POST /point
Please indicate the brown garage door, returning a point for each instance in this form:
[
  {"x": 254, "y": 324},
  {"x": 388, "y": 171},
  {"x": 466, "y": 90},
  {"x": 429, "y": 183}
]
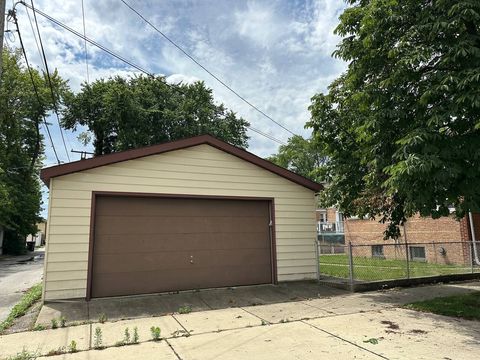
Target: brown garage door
[{"x": 148, "y": 244}]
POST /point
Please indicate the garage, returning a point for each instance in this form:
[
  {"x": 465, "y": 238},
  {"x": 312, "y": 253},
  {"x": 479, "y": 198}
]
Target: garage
[
  {"x": 156, "y": 244},
  {"x": 190, "y": 214}
]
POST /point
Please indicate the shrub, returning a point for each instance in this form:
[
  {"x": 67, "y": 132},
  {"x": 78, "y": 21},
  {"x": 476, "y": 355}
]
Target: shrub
[{"x": 54, "y": 323}]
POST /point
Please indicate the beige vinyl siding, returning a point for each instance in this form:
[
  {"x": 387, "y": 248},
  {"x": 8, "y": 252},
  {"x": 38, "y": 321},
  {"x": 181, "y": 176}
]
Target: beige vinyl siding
[{"x": 199, "y": 170}]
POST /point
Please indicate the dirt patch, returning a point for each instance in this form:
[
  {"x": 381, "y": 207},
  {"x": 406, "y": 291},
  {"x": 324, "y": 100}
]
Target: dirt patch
[
  {"x": 418, "y": 331},
  {"x": 390, "y": 324}
]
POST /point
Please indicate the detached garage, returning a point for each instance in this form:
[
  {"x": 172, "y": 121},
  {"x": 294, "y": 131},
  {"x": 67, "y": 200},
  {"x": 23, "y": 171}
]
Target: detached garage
[{"x": 189, "y": 214}]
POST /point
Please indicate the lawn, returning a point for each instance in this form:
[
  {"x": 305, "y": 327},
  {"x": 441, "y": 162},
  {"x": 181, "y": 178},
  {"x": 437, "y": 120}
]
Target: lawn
[
  {"x": 372, "y": 269},
  {"x": 462, "y": 306}
]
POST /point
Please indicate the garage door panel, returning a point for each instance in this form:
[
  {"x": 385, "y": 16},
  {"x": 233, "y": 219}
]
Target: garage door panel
[
  {"x": 143, "y": 282},
  {"x": 175, "y": 260},
  {"x": 147, "y": 245},
  {"x": 178, "y": 225},
  {"x": 119, "y": 206},
  {"x": 172, "y": 242}
]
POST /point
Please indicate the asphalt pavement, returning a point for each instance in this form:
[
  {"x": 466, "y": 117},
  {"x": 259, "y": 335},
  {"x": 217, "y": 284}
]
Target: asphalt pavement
[{"x": 18, "y": 274}]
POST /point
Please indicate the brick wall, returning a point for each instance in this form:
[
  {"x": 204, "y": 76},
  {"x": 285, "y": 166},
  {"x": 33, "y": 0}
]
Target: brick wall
[{"x": 441, "y": 233}]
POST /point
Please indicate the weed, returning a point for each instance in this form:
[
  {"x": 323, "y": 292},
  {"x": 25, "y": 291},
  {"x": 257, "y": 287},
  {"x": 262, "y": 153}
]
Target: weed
[
  {"x": 97, "y": 338},
  {"x": 102, "y": 318},
  {"x": 119, "y": 343},
  {"x": 373, "y": 341},
  {"x": 126, "y": 336},
  {"x": 31, "y": 296},
  {"x": 264, "y": 322},
  {"x": 24, "y": 355},
  {"x": 54, "y": 323},
  {"x": 136, "y": 337},
  {"x": 185, "y": 309},
  {"x": 72, "y": 347},
  {"x": 63, "y": 321},
  {"x": 59, "y": 351},
  {"x": 39, "y": 327},
  {"x": 155, "y": 331}
]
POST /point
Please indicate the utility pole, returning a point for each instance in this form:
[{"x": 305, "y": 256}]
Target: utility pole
[{"x": 3, "y": 4}]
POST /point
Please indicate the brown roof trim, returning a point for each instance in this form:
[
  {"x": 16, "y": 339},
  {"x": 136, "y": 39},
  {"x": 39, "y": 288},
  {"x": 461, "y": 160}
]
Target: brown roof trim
[{"x": 102, "y": 160}]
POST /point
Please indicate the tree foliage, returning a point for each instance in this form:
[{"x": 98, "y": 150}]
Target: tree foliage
[
  {"x": 21, "y": 147},
  {"x": 300, "y": 156},
  {"x": 401, "y": 127},
  {"x": 129, "y": 113}
]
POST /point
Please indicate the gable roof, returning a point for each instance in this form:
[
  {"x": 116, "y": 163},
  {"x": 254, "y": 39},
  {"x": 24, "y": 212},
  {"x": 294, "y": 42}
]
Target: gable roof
[{"x": 103, "y": 160}]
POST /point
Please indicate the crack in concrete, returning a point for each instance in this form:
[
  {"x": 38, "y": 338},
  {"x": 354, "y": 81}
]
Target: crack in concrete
[
  {"x": 345, "y": 340},
  {"x": 173, "y": 349}
]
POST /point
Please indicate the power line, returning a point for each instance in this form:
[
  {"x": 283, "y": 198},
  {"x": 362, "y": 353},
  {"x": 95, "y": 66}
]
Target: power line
[
  {"x": 205, "y": 69},
  {"x": 13, "y": 14},
  {"x": 126, "y": 61},
  {"x": 49, "y": 81},
  {"x": 85, "y": 43},
  {"x": 34, "y": 35}
]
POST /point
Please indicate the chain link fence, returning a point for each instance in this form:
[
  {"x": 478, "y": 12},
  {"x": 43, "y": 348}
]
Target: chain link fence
[{"x": 360, "y": 263}]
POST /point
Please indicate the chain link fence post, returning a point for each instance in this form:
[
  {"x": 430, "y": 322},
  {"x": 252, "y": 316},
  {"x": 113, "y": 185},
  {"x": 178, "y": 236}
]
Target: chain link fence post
[
  {"x": 350, "y": 265},
  {"x": 407, "y": 258},
  {"x": 471, "y": 256},
  {"x": 317, "y": 256}
]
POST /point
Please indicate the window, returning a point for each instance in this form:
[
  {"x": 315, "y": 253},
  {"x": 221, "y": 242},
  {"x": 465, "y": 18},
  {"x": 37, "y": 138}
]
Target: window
[
  {"x": 377, "y": 251},
  {"x": 417, "y": 253},
  {"x": 322, "y": 216}
]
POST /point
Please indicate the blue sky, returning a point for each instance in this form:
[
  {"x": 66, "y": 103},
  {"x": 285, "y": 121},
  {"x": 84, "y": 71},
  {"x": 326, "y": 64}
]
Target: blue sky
[{"x": 277, "y": 54}]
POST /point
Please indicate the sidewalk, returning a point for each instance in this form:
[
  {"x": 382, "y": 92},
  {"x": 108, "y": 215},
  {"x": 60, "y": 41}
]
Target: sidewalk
[{"x": 361, "y": 326}]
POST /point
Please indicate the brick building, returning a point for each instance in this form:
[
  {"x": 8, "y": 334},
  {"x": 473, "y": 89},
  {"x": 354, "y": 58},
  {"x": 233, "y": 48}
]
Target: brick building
[{"x": 441, "y": 241}]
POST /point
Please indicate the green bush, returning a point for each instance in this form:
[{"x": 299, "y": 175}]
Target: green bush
[{"x": 13, "y": 243}]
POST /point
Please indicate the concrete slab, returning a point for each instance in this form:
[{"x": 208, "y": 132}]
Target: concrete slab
[
  {"x": 349, "y": 304},
  {"x": 73, "y": 311},
  {"x": 44, "y": 341},
  {"x": 144, "y": 306},
  {"x": 284, "y": 312},
  {"x": 276, "y": 342},
  {"x": 405, "y": 334},
  {"x": 216, "y": 320},
  {"x": 243, "y": 296},
  {"x": 150, "y": 350},
  {"x": 114, "y": 332}
]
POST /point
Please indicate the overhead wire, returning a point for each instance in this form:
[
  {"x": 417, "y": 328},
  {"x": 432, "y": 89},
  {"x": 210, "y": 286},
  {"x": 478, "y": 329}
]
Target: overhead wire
[
  {"x": 124, "y": 60},
  {"x": 206, "y": 69},
  {"x": 54, "y": 100},
  {"x": 34, "y": 85}
]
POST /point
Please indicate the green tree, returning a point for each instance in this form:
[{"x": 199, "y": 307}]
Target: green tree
[
  {"x": 401, "y": 127},
  {"x": 300, "y": 156},
  {"x": 129, "y": 113},
  {"x": 21, "y": 148}
]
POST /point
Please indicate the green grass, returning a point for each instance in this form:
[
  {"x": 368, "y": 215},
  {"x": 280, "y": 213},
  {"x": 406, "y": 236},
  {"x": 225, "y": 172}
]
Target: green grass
[
  {"x": 463, "y": 306},
  {"x": 371, "y": 269},
  {"x": 29, "y": 298}
]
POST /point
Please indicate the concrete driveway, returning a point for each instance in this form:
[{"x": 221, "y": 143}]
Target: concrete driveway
[
  {"x": 347, "y": 326},
  {"x": 17, "y": 274}
]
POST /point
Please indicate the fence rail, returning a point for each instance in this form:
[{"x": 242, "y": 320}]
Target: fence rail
[{"x": 359, "y": 263}]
